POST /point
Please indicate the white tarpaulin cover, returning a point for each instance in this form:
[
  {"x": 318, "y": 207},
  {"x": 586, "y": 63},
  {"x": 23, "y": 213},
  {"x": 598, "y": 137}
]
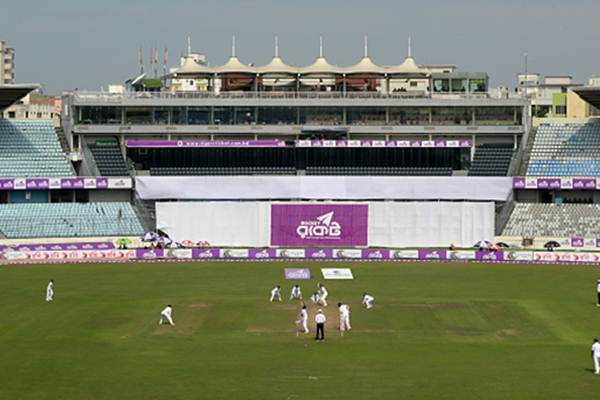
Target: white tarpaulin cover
[
  {"x": 430, "y": 224},
  {"x": 218, "y": 223},
  {"x": 323, "y": 187},
  {"x": 390, "y": 224}
]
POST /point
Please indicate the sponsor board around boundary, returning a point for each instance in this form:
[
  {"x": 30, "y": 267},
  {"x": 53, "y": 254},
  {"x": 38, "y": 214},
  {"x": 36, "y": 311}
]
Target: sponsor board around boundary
[
  {"x": 302, "y": 254},
  {"x": 337, "y": 273},
  {"x": 347, "y": 253},
  {"x": 234, "y": 253},
  {"x": 405, "y": 254},
  {"x": 461, "y": 255},
  {"x": 291, "y": 253},
  {"x": 69, "y": 255},
  {"x": 297, "y": 273}
]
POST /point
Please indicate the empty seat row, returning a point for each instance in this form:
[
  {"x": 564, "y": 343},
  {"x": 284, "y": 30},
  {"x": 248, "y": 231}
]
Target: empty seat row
[
  {"x": 380, "y": 171},
  {"x": 569, "y": 149},
  {"x": 108, "y": 157},
  {"x": 68, "y": 220},
  {"x": 491, "y": 160},
  {"x": 31, "y": 149},
  {"x": 190, "y": 171},
  {"x": 554, "y": 220}
]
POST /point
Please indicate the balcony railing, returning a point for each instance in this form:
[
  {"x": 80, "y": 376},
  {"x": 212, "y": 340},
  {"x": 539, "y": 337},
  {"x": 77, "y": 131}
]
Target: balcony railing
[{"x": 82, "y": 96}]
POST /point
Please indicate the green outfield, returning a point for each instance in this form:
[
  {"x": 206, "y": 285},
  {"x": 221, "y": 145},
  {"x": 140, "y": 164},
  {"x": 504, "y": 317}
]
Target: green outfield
[{"x": 438, "y": 331}]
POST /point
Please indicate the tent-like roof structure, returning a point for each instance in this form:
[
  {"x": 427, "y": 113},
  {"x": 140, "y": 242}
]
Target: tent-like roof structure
[
  {"x": 277, "y": 66},
  {"x": 409, "y": 66},
  {"x": 591, "y": 94},
  {"x": 10, "y": 94},
  {"x": 191, "y": 67},
  {"x": 234, "y": 65},
  {"x": 365, "y": 65},
  {"x": 320, "y": 66}
]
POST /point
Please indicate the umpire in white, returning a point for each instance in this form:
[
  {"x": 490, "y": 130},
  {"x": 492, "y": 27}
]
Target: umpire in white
[{"x": 320, "y": 319}]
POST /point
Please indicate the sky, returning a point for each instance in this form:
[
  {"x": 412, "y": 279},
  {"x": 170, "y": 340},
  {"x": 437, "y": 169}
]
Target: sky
[{"x": 67, "y": 44}]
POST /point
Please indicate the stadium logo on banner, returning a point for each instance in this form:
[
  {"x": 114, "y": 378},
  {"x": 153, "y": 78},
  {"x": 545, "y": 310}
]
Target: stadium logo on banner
[{"x": 323, "y": 228}]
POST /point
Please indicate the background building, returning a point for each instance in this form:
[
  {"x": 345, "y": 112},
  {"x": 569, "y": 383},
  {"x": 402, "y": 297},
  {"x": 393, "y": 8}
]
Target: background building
[{"x": 7, "y": 64}]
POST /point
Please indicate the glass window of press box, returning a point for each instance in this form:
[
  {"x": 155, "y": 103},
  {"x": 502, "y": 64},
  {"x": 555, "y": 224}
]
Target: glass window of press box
[{"x": 98, "y": 115}]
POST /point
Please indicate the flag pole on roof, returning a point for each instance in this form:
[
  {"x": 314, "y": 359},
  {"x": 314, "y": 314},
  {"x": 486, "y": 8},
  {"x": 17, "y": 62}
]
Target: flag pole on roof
[
  {"x": 189, "y": 45},
  {"x": 233, "y": 46},
  {"x": 409, "y": 47},
  {"x": 366, "y": 47},
  {"x": 276, "y": 46},
  {"x": 321, "y": 46}
]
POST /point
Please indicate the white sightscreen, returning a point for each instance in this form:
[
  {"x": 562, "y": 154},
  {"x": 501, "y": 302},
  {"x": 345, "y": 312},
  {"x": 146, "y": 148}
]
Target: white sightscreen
[
  {"x": 218, "y": 223},
  {"x": 430, "y": 224},
  {"x": 391, "y": 224},
  {"x": 324, "y": 187}
]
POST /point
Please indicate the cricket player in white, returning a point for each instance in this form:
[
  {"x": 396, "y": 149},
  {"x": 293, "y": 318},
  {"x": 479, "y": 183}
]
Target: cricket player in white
[
  {"x": 368, "y": 301},
  {"x": 344, "y": 317},
  {"x": 303, "y": 319},
  {"x": 598, "y": 290},
  {"x": 296, "y": 293},
  {"x": 323, "y": 293},
  {"x": 596, "y": 356},
  {"x": 276, "y": 294},
  {"x": 315, "y": 298},
  {"x": 50, "y": 291},
  {"x": 166, "y": 315}
]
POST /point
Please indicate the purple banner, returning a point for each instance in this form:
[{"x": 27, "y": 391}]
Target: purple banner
[
  {"x": 432, "y": 254},
  {"x": 489, "y": 255},
  {"x": 577, "y": 242},
  {"x": 37, "y": 184},
  {"x": 149, "y": 253},
  {"x": 297, "y": 273},
  {"x": 206, "y": 253},
  {"x": 203, "y": 143},
  {"x": 385, "y": 143},
  {"x": 548, "y": 183},
  {"x": 319, "y": 224},
  {"x": 64, "y": 183},
  {"x": 71, "y": 183},
  {"x": 7, "y": 184},
  {"x": 60, "y": 246},
  {"x": 584, "y": 183},
  {"x": 319, "y": 253},
  {"x": 262, "y": 253},
  {"x": 518, "y": 183},
  {"x": 375, "y": 254},
  {"x": 101, "y": 183}
]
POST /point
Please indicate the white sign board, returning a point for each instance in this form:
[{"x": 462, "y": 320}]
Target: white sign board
[{"x": 337, "y": 273}]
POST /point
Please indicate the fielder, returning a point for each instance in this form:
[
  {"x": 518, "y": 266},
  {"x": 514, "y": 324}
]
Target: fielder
[
  {"x": 323, "y": 293},
  {"x": 344, "y": 317},
  {"x": 596, "y": 356},
  {"x": 296, "y": 293},
  {"x": 275, "y": 294},
  {"x": 50, "y": 291},
  {"x": 166, "y": 315},
  {"x": 598, "y": 290},
  {"x": 303, "y": 319},
  {"x": 368, "y": 301}
]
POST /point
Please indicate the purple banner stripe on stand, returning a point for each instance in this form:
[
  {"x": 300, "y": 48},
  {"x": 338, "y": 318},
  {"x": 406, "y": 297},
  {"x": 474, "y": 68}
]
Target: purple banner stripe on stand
[
  {"x": 59, "y": 246},
  {"x": 64, "y": 183},
  {"x": 567, "y": 183},
  {"x": 384, "y": 143},
  {"x": 204, "y": 143}
]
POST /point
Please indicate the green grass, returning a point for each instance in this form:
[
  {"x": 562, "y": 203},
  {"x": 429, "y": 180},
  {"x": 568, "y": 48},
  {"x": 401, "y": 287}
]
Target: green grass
[{"x": 439, "y": 331}]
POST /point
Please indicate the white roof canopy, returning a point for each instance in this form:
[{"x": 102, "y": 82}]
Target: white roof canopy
[{"x": 320, "y": 66}]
